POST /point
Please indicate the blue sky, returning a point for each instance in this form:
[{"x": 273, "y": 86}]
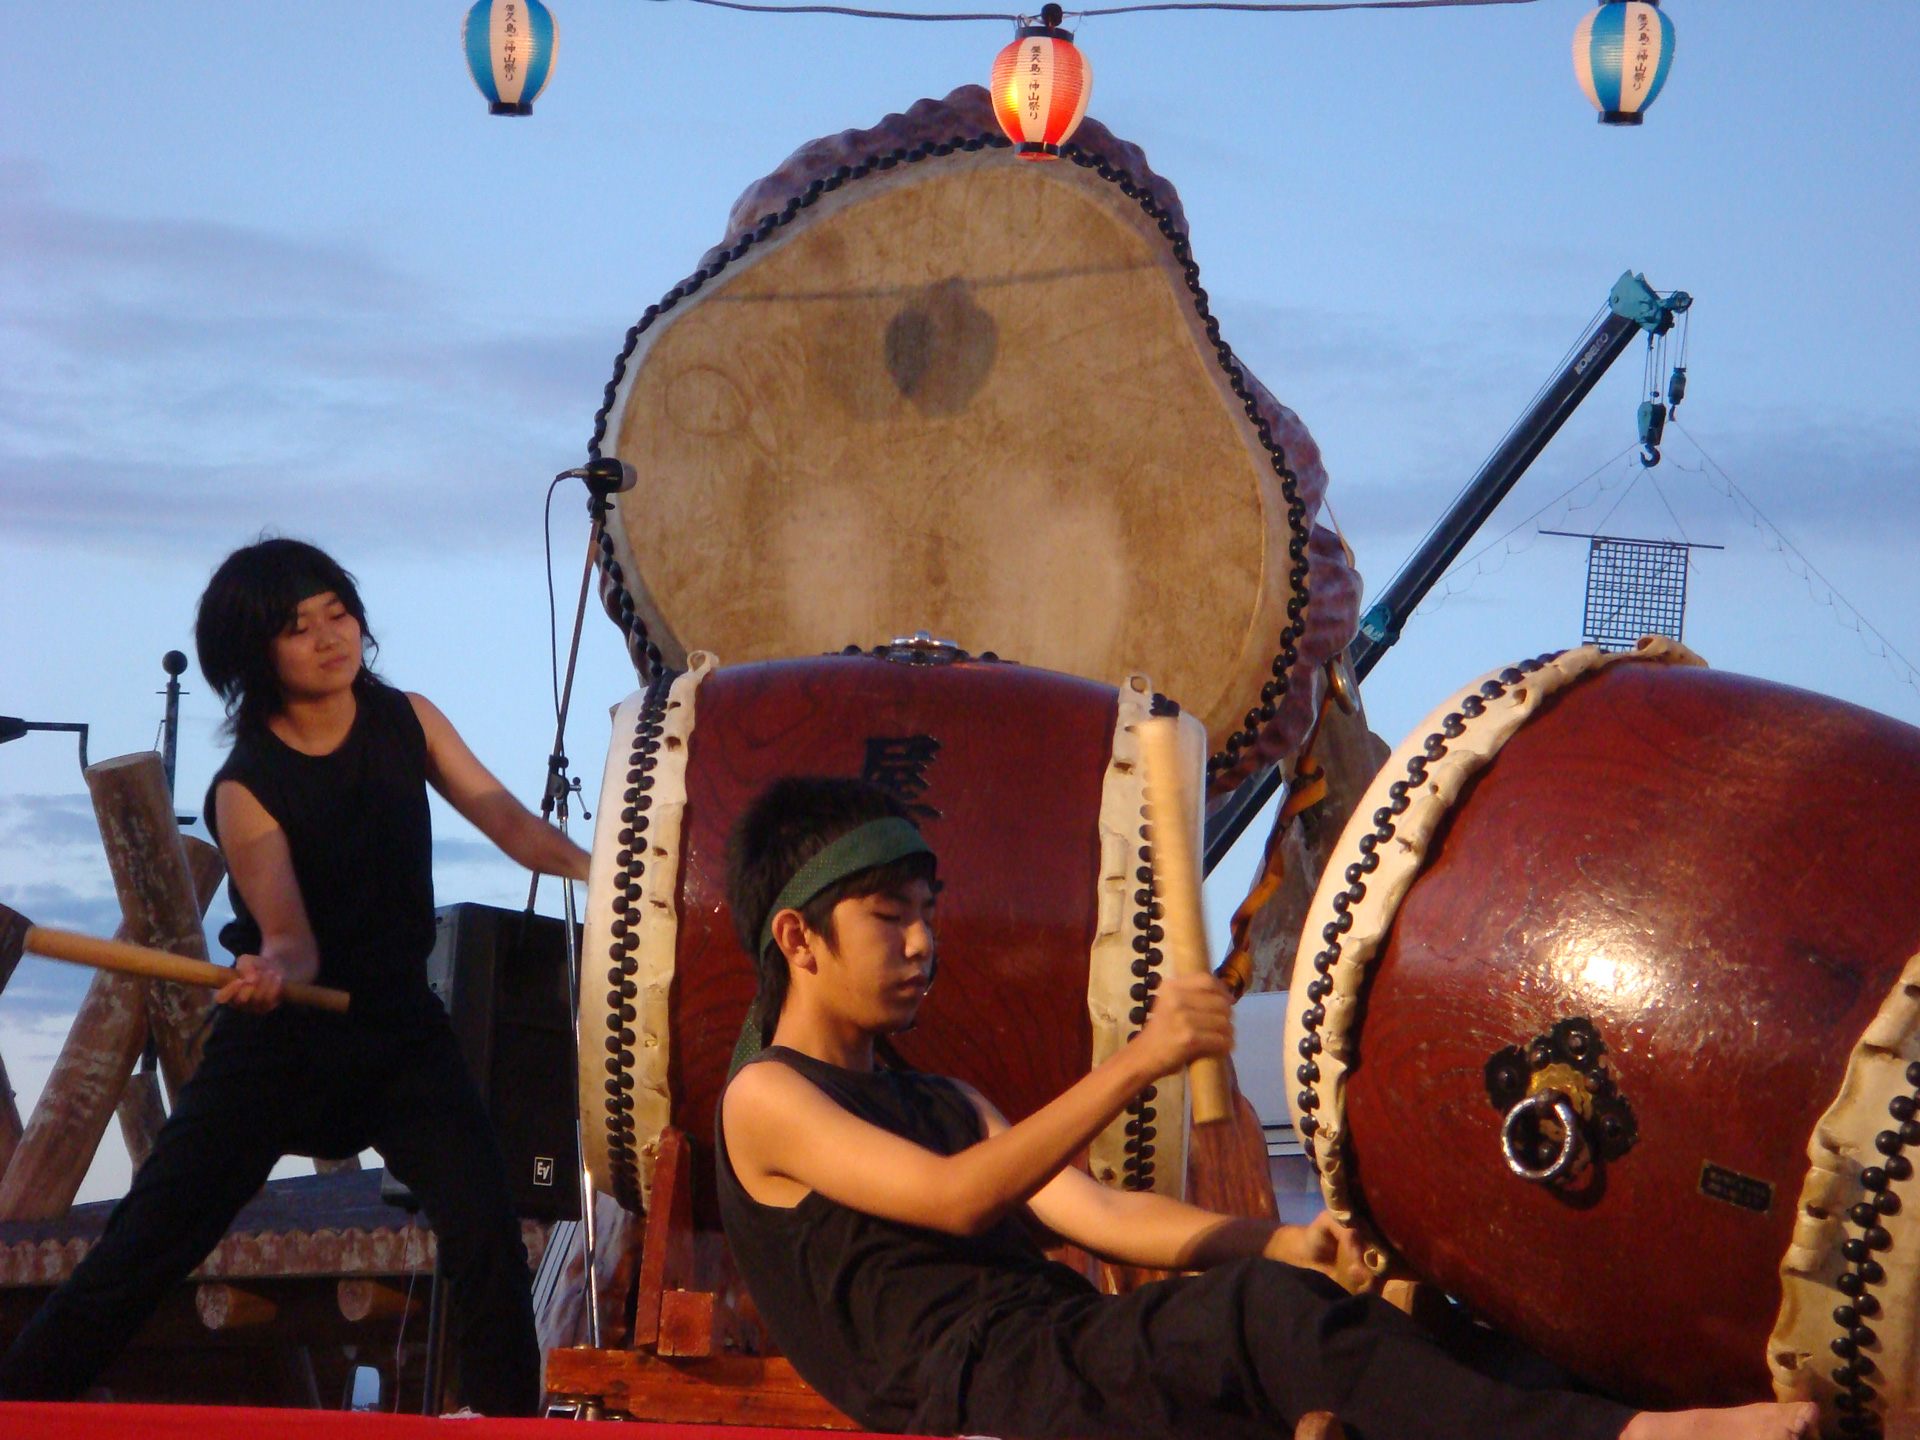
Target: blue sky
[{"x": 275, "y": 267}]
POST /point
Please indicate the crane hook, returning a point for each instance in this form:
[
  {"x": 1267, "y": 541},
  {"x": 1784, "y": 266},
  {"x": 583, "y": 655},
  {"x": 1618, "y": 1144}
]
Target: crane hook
[{"x": 1653, "y": 425}]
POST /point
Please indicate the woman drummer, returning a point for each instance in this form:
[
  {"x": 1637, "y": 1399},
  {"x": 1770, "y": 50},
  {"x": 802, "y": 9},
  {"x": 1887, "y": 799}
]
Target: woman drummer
[{"x": 321, "y": 813}]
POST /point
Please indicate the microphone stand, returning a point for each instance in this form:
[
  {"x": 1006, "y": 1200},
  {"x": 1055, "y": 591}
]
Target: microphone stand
[{"x": 604, "y": 479}]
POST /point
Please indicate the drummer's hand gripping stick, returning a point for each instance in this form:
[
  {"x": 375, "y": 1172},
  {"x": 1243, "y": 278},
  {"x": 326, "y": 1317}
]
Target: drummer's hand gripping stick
[{"x": 154, "y": 964}]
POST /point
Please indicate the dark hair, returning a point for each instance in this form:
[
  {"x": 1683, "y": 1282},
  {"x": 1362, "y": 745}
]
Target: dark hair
[
  {"x": 790, "y": 822},
  {"x": 252, "y": 598}
]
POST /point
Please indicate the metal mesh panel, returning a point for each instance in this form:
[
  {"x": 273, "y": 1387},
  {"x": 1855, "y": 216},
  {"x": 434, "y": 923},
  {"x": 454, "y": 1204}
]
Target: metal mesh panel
[{"x": 1634, "y": 588}]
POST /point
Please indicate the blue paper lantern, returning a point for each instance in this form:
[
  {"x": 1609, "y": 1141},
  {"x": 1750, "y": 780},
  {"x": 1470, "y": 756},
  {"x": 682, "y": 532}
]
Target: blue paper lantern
[
  {"x": 510, "y": 46},
  {"x": 1622, "y": 53}
]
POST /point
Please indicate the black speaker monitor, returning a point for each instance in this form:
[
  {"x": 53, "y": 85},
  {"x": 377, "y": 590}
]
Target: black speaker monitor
[{"x": 503, "y": 979}]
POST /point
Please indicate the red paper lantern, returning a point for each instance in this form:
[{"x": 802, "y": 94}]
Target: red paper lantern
[{"x": 1040, "y": 87}]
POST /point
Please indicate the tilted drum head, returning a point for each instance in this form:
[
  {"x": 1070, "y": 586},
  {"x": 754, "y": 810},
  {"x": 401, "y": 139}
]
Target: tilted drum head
[{"x": 959, "y": 393}]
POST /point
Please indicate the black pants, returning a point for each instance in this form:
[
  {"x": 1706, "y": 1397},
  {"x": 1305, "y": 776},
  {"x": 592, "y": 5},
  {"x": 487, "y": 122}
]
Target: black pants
[
  {"x": 304, "y": 1084},
  {"x": 1243, "y": 1351}
]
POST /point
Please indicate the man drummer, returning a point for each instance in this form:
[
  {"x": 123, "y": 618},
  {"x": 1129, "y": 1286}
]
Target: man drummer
[{"x": 881, "y": 1217}]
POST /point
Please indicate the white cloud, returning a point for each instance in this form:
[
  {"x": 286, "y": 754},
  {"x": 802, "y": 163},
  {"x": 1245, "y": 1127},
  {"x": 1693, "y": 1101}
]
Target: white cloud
[{"x": 163, "y": 380}]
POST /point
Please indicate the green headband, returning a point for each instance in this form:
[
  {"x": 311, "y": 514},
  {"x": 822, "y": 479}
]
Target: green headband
[{"x": 876, "y": 843}]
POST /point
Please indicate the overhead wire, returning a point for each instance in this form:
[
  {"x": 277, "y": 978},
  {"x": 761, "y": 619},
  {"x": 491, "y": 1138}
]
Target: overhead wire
[
  {"x": 1670, "y": 514},
  {"x": 1618, "y": 503},
  {"x": 1775, "y": 539},
  {"x": 1011, "y": 17},
  {"x": 1446, "y": 588}
]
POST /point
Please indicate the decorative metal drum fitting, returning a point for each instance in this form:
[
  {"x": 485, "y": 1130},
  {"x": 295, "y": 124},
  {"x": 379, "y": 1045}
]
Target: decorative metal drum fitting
[
  {"x": 1533, "y": 1153},
  {"x": 920, "y": 648},
  {"x": 1558, "y": 1081}
]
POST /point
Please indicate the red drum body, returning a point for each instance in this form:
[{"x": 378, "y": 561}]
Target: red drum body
[
  {"x": 1023, "y": 782},
  {"x": 1683, "y": 903},
  {"x": 1004, "y": 766}
]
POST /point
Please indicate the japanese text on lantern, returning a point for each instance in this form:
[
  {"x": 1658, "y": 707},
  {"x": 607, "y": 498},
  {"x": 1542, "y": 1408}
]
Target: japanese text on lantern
[
  {"x": 1033, "y": 85},
  {"x": 1643, "y": 53},
  {"x": 510, "y": 52}
]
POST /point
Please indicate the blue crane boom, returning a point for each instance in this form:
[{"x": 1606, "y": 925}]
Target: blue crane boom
[{"x": 1633, "y": 307}]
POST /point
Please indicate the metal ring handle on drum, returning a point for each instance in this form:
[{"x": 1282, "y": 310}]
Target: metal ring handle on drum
[{"x": 1561, "y": 1108}]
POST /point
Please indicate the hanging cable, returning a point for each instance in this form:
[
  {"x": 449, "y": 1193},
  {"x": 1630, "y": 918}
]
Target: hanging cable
[
  {"x": 1776, "y": 540},
  {"x": 1011, "y": 17},
  {"x": 1446, "y": 588},
  {"x": 1670, "y": 515},
  {"x": 1677, "y": 381},
  {"x": 1622, "y": 500},
  {"x": 1653, "y": 410},
  {"x": 553, "y": 613}
]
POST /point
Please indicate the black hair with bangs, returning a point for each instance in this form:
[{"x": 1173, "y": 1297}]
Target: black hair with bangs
[
  {"x": 252, "y": 598},
  {"x": 790, "y": 822}
]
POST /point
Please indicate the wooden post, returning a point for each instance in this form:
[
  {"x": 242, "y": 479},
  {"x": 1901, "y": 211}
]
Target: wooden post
[
  {"x": 10, "y": 1127},
  {"x": 13, "y": 934},
  {"x": 666, "y": 1252},
  {"x": 159, "y": 906},
  {"x": 361, "y": 1300},
  {"x": 174, "y": 1019},
  {"x": 159, "y": 883},
  {"x": 178, "y": 1013},
  {"x": 228, "y": 1307},
  {"x": 141, "y": 1114},
  {"x": 108, "y": 1033}
]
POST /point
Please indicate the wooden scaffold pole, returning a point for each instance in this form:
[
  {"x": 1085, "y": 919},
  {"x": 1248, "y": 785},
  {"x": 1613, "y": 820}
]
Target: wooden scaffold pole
[{"x": 163, "y": 893}]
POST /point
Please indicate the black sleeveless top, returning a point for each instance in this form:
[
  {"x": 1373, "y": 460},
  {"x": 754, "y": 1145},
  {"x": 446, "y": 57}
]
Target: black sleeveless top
[
  {"x": 361, "y": 836},
  {"x": 883, "y": 1318}
]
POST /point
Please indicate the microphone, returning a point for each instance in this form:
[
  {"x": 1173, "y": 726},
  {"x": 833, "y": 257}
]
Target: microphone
[{"x": 604, "y": 477}]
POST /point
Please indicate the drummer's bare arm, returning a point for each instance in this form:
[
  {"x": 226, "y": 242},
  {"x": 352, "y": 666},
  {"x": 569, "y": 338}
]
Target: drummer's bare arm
[
  {"x": 1141, "y": 1228},
  {"x": 785, "y": 1138},
  {"x": 255, "y": 849},
  {"x": 471, "y": 789}
]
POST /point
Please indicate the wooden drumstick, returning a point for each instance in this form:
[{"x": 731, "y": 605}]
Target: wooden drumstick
[
  {"x": 1176, "y": 873},
  {"x": 159, "y": 965}
]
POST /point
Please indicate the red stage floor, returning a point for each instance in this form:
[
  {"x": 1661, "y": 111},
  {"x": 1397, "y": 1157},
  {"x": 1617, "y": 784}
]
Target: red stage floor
[{"x": 213, "y": 1422}]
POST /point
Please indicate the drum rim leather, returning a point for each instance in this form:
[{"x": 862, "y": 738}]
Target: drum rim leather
[
  {"x": 1803, "y": 1351},
  {"x": 1152, "y": 1157},
  {"x": 619, "y": 1063}
]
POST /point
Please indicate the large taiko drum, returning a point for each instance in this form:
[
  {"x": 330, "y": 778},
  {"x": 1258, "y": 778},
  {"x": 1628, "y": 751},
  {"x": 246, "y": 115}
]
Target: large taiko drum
[
  {"x": 1026, "y": 784},
  {"x": 1613, "y": 1025},
  {"x": 921, "y": 384}
]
